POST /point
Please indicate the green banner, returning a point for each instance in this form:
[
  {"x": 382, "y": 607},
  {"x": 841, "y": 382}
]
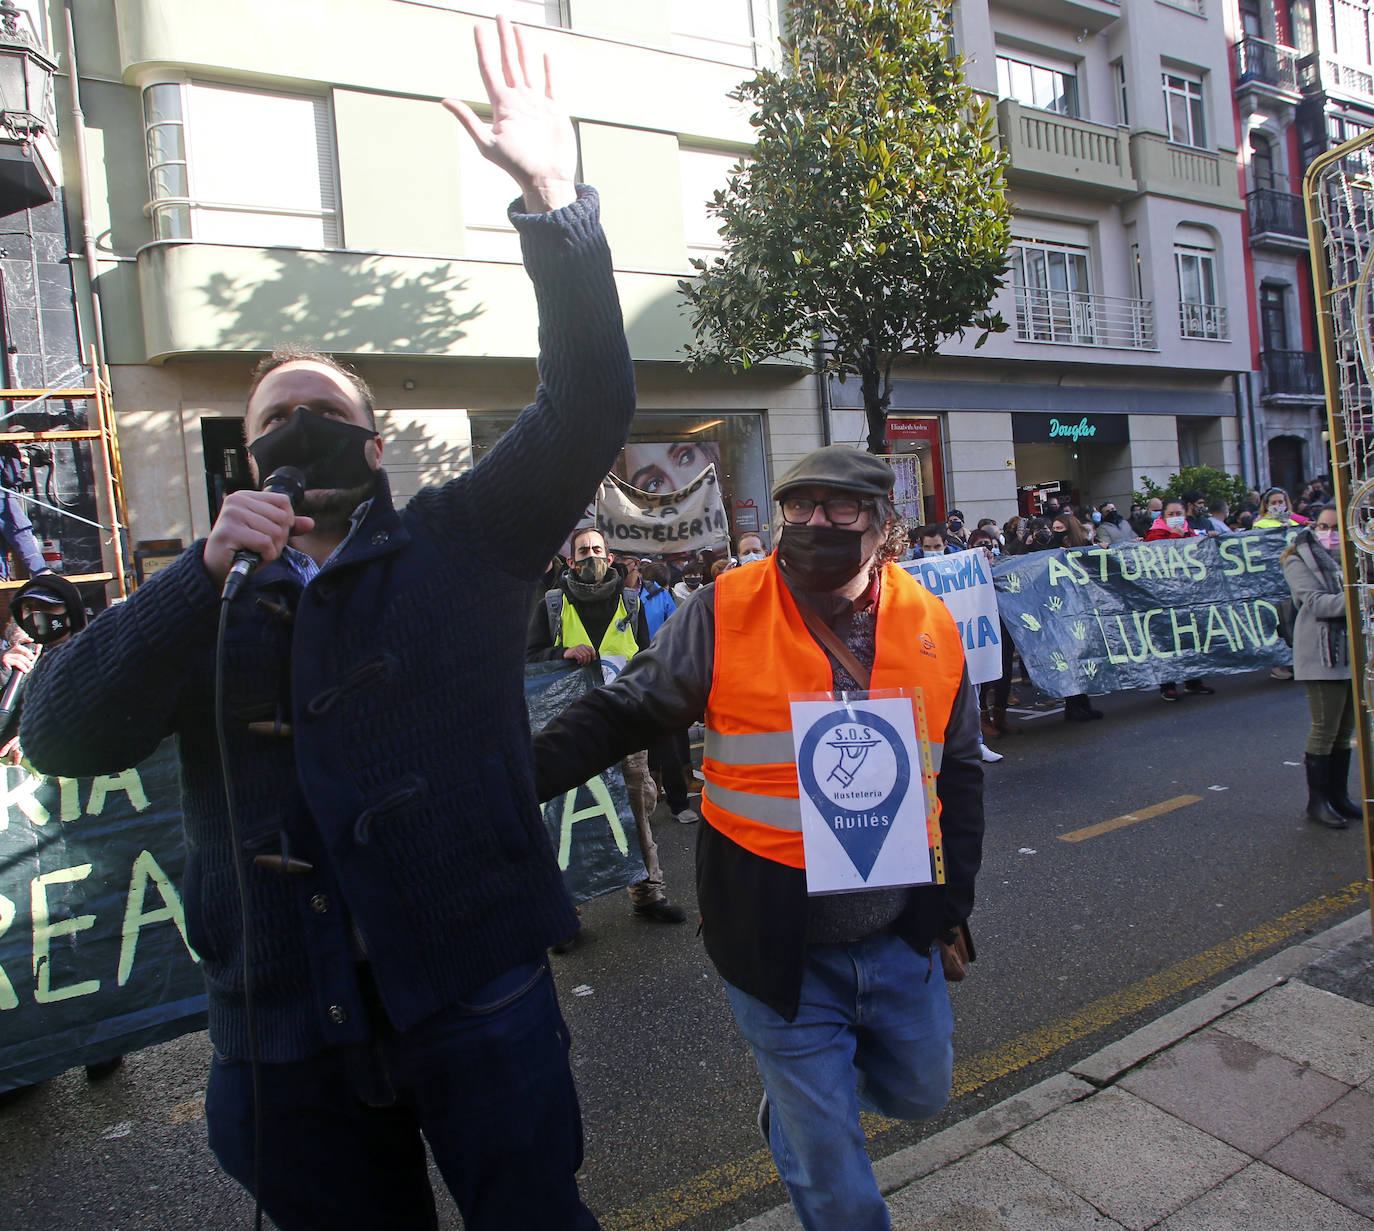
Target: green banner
[{"x": 1106, "y": 619}]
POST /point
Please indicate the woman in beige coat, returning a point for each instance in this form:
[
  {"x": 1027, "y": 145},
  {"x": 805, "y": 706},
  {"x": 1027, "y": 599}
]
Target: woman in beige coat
[{"x": 1321, "y": 661}]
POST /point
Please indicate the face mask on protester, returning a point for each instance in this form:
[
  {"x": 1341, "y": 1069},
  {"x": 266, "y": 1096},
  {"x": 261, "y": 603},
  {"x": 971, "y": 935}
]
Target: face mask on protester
[
  {"x": 1278, "y": 510},
  {"x": 821, "y": 558},
  {"x": 1176, "y": 523},
  {"x": 691, "y": 580},
  {"x": 592, "y": 569},
  {"x": 331, "y": 454},
  {"x": 1328, "y": 538},
  {"x": 932, "y": 551},
  {"x": 955, "y": 525},
  {"x": 750, "y": 556},
  {"x": 1057, "y": 538},
  {"x": 1097, "y": 517}
]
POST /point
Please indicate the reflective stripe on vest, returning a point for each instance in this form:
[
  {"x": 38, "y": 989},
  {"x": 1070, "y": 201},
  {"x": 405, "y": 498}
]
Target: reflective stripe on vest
[
  {"x": 618, "y": 639},
  {"x": 765, "y": 655}
]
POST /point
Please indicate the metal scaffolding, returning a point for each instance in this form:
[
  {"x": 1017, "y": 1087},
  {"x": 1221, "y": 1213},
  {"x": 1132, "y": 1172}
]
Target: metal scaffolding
[
  {"x": 100, "y": 431},
  {"x": 1338, "y": 191}
]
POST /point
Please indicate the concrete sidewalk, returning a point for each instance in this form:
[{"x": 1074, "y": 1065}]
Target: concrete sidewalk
[{"x": 1248, "y": 1109}]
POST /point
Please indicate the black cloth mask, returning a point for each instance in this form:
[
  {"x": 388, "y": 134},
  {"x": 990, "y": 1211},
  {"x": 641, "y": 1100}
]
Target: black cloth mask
[
  {"x": 330, "y": 453},
  {"x": 820, "y": 558}
]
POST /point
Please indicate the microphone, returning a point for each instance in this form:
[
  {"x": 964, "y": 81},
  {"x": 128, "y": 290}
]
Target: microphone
[
  {"x": 10, "y": 699},
  {"x": 289, "y": 482}
]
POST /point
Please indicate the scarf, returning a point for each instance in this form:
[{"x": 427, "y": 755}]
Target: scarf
[{"x": 593, "y": 592}]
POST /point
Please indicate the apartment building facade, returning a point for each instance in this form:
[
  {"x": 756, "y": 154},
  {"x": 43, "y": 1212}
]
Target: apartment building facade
[
  {"x": 1304, "y": 82},
  {"x": 254, "y": 185},
  {"x": 1126, "y": 292},
  {"x": 302, "y": 184}
]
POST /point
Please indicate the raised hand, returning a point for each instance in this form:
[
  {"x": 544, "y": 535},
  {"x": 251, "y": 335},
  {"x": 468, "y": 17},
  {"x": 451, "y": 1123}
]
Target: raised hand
[{"x": 530, "y": 135}]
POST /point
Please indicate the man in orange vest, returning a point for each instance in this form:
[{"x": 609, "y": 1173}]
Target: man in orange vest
[{"x": 841, "y": 995}]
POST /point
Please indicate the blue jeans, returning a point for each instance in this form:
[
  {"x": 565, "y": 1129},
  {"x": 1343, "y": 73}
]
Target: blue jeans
[
  {"x": 874, "y": 1031},
  {"x": 487, "y": 1084}
]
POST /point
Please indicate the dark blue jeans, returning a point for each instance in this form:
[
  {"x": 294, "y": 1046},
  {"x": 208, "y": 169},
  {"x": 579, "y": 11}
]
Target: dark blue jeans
[{"x": 486, "y": 1083}]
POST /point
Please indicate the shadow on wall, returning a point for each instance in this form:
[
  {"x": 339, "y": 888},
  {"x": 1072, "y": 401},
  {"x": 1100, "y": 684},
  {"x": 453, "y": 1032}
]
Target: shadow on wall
[{"x": 341, "y": 303}]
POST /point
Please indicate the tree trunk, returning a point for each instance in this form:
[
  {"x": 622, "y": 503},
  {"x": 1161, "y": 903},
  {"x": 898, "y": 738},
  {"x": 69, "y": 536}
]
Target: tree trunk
[{"x": 876, "y": 401}]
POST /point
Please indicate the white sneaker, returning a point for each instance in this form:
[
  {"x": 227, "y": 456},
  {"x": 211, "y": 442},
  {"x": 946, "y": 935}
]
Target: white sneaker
[
  {"x": 988, "y": 755},
  {"x": 688, "y": 816}
]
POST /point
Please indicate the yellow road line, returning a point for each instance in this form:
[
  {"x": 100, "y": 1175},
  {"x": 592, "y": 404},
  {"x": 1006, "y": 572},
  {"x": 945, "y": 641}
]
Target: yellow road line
[
  {"x": 1130, "y": 818},
  {"x": 731, "y": 1181}
]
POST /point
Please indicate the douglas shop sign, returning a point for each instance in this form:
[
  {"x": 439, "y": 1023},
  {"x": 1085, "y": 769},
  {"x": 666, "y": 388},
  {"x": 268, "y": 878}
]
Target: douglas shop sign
[{"x": 1070, "y": 429}]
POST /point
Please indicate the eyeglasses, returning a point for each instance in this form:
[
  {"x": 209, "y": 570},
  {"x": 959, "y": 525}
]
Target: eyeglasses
[{"x": 839, "y": 510}]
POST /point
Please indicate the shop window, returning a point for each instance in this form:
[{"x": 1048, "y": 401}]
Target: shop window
[
  {"x": 1040, "y": 85},
  {"x": 666, "y": 451},
  {"x": 702, "y": 173},
  {"x": 1053, "y": 292},
  {"x": 236, "y": 166},
  {"x": 1183, "y": 117}
]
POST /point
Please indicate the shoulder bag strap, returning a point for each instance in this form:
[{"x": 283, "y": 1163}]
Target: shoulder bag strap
[{"x": 825, "y": 635}]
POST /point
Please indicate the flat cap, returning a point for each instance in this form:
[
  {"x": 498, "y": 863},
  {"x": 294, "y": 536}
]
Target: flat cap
[{"x": 840, "y": 467}]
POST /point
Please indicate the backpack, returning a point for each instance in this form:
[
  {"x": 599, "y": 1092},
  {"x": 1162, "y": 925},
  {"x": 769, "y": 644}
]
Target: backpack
[{"x": 1288, "y": 619}]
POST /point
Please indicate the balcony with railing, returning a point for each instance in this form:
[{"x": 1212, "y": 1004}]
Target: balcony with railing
[
  {"x": 1207, "y": 322},
  {"x": 1291, "y": 373},
  {"x": 1277, "y": 219},
  {"x": 1166, "y": 169},
  {"x": 1060, "y": 152},
  {"x": 1266, "y": 68},
  {"x": 1075, "y": 318}
]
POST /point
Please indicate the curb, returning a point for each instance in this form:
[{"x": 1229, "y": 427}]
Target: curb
[{"x": 1089, "y": 1075}]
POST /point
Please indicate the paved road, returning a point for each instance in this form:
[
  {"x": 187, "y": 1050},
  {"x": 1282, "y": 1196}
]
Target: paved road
[{"x": 1085, "y": 931}]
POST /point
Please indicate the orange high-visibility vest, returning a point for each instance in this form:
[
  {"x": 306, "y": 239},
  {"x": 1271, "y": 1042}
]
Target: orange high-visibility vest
[{"x": 764, "y": 656}]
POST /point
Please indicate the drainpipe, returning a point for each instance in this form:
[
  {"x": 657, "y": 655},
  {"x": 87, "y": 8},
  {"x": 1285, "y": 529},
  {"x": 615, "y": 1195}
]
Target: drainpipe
[
  {"x": 83, "y": 183},
  {"x": 823, "y": 393},
  {"x": 1246, "y": 434}
]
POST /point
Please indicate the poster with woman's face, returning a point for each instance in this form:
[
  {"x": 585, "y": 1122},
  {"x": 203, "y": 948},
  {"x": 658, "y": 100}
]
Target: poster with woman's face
[{"x": 669, "y": 467}]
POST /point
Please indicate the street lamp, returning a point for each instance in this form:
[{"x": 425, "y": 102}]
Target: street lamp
[{"x": 25, "y": 76}]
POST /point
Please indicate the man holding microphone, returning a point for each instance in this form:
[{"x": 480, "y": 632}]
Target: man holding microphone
[{"x": 401, "y": 889}]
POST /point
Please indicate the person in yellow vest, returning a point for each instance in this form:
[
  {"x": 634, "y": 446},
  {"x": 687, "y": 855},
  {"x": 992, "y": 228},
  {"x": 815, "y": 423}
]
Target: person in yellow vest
[
  {"x": 818, "y": 865},
  {"x": 591, "y": 616}
]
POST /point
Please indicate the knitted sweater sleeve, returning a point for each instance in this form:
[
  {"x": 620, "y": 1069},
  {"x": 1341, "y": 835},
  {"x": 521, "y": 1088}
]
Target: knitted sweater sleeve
[
  {"x": 515, "y": 507},
  {"x": 105, "y": 700}
]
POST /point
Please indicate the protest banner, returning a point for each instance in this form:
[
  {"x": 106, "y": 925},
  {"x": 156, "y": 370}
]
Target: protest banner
[
  {"x": 963, "y": 582},
  {"x": 655, "y": 523},
  {"x": 1099, "y": 619},
  {"x": 94, "y": 959},
  {"x": 591, "y": 827}
]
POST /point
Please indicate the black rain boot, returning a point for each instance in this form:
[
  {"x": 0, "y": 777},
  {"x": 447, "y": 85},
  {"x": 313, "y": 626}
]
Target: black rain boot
[
  {"x": 1337, "y": 792},
  {"x": 1319, "y": 809}
]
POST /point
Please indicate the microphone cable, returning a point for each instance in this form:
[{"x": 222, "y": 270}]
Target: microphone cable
[
  {"x": 289, "y": 482},
  {"x": 240, "y": 878}
]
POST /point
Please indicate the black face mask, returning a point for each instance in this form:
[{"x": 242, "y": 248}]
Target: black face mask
[
  {"x": 820, "y": 558},
  {"x": 692, "y": 580},
  {"x": 330, "y": 453},
  {"x": 1057, "y": 538},
  {"x": 1114, "y": 517}
]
